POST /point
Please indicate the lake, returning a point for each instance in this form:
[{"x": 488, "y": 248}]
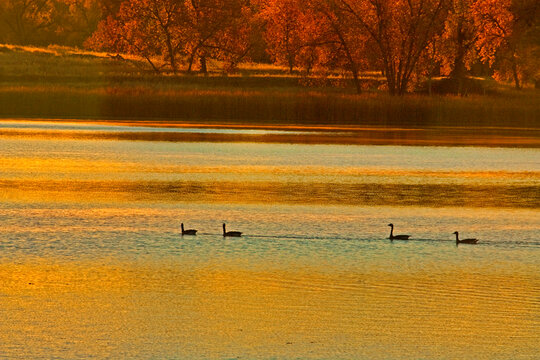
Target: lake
[{"x": 93, "y": 264}]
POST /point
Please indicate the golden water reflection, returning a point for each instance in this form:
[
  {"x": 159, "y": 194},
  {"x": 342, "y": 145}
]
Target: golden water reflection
[
  {"x": 92, "y": 263},
  {"x": 435, "y": 195},
  {"x": 24, "y": 167},
  {"x": 216, "y": 311}
]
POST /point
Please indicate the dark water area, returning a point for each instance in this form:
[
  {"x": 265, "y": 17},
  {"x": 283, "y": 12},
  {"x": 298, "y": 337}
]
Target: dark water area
[{"x": 341, "y": 135}]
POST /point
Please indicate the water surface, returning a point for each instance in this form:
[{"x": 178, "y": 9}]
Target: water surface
[{"x": 92, "y": 263}]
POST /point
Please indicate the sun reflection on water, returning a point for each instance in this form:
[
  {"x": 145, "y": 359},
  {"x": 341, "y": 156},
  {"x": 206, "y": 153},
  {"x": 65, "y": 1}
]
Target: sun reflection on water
[{"x": 217, "y": 311}]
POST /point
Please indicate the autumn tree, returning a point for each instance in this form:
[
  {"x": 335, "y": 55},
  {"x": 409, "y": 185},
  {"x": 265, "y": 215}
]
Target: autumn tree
[
  {"x": 284, "y": 22},
  {"x": 218, "y": 29},
  {"x": 109, "y": 7},
  {"x": 27, "y": 22},
  {"x": 76, "y": 20},
  {"x": 146, "y": 28},
  {"x": 294, "y": 32},
  {"x": 361, "y": 34},
  {"x": 337, "y": 33},
  {"x": 508, "y": 37},
  {"x": 456, "y": 49},
  {"x": 313, "y": 33},
  {"x": 175, "y": 29},
  {"x": 401, "y": 30},
  {"x": 44, "y": 22}
]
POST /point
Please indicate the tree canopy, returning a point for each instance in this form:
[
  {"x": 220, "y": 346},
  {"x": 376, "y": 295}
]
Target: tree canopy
[{"x": 406, "y": 40}]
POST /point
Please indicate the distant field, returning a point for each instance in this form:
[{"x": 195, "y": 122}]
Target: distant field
[{"x": 59, "y": 82}]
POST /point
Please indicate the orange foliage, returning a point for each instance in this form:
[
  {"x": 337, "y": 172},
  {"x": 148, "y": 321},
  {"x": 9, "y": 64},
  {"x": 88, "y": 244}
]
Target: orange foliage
[
  {"x": 217, "y": 29},
  {"x": 509, "y": 37},
  {"x": 404, "y": 39},
  {"x": 142, "y": 27},
  {"x": 173, "y": 29},
  {"x": 456, "y": 50},
  {"x": 397, "y": 32},
  {"x": 284, "y": 21}
]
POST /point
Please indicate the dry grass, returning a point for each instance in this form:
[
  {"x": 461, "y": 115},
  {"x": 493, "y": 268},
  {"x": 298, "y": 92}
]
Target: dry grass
[{"x": 266, "y": 106}]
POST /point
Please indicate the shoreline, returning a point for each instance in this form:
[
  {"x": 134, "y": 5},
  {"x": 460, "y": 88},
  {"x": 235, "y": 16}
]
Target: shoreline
[{"x": 476, "y": 136}]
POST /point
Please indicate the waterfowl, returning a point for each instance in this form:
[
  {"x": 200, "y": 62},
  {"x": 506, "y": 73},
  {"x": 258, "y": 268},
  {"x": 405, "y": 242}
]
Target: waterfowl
[
  {"x": 188, "y": 232},
  {"x": 397, "y": 237},
  {"x": 464, "y": 241},
  {"x": 231, "y": 233}
]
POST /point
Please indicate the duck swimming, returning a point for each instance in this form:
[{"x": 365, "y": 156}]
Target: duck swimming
[
  {"x": 231, "y": 233},
  {"x": 464, "y": 241},
  {"x": 188, "y": 232},
  {"x": 397, "y": 237}
]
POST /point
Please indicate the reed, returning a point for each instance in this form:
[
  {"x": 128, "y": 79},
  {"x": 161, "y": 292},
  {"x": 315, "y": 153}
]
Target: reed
[{"x": 266, "y": 107}]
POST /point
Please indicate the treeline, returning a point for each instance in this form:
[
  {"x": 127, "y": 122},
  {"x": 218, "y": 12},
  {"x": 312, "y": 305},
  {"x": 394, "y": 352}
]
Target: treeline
[{"x": 407, "y": 41}]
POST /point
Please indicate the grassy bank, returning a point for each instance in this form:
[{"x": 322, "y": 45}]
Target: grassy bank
[{"x": 92, "y": 86}]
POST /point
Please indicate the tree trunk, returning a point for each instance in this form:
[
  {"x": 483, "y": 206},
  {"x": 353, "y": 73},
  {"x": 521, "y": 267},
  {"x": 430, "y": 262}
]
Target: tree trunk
[
  {"x": 356, "y": 80},
  {"x": 391, "y": 85},
  {"x": 152, "y": 64},
  {"x": 458, "y": 71},
  {"x": 403, "y": 86},
  {"x": 172, "y": 59},
  {"x": 430, "y": 73},
  {"x": 190, "y": 62},
  {"x": 291, "y": 63},
  {"x": 390, "y": 77},
  {"x": 352, "y": 63},
  {"x": 515, "y": 73},
  {"x": 204, "y": 69}
]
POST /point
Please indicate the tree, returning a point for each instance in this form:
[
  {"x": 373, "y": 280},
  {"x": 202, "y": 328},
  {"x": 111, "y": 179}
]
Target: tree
[
  {"x": 76, "y": 20},
  {"x": 27, "y": 22},
  {"x": 401, "y": 31},
  {"x": 360, "y": 34},
  {"x": 217, "y": 29},
  {"x": 456, "y": 47},
  {"x": 283, "y": 24},
  {"x": 109, "y": 7},
  {"x": 146, "y": 28},
  {"x": 343, "y": 43},
  {"x": 172, "y": 29},
  {"x": 508, "y": 37}
]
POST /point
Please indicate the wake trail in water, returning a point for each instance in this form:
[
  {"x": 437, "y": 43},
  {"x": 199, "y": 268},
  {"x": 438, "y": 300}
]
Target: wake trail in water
[{"x": 496, "y": 243}]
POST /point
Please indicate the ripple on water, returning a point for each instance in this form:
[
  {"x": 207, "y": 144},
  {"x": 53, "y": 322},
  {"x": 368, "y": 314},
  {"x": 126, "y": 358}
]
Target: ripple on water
[{"x": 92, "y": 263}]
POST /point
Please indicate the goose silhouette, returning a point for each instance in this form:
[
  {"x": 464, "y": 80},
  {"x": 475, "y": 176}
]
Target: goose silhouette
[
  {"x": 397, "y": 237},
  {"x": 188, "y": 232},
  {"x": 464, "y": 241},
  {"x": 231, "y": 233}
]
